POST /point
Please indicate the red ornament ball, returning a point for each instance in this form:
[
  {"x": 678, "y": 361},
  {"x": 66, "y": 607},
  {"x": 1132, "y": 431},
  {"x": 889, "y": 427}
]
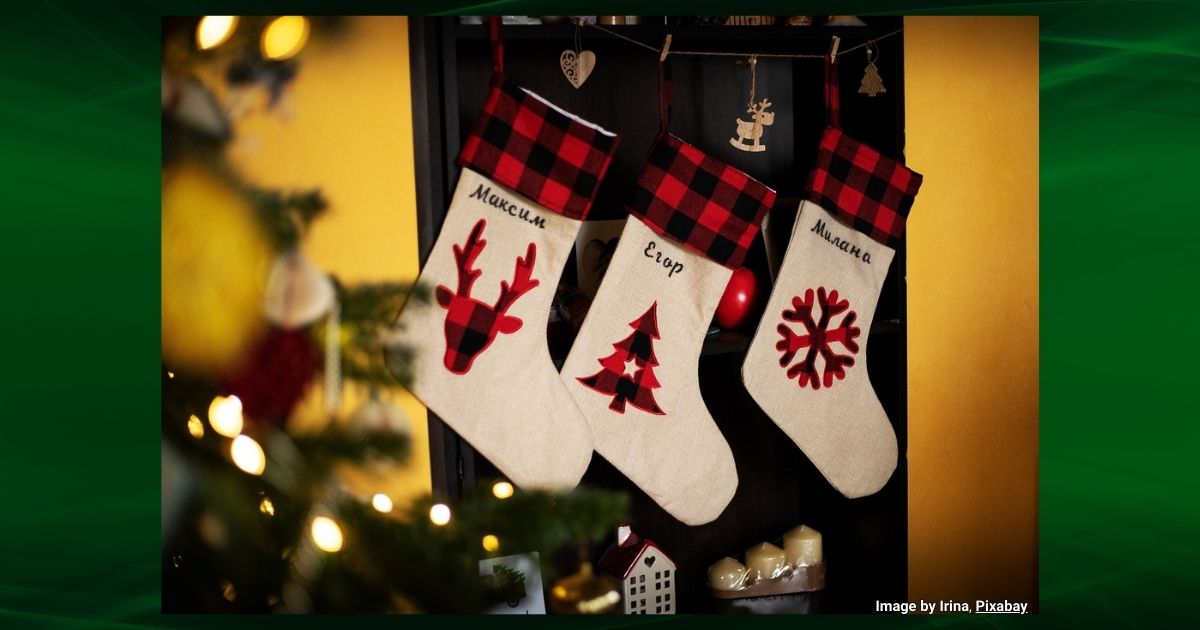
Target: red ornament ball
[
  {"x": 274, "y": 376},
  {"x": 738, "y": 303}
]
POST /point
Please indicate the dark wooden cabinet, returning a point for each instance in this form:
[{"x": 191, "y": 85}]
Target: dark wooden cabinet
[{"x": 865, "y": 539}]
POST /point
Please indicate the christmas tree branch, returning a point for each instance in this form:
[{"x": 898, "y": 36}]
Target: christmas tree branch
[
  {"x": 368, "y": 312},
  {"x": 337, "y": 442},
  {"x": 285, "y": 215}
]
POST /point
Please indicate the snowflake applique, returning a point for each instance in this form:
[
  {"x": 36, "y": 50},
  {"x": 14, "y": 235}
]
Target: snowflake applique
[{"x": 819, "y": 339}]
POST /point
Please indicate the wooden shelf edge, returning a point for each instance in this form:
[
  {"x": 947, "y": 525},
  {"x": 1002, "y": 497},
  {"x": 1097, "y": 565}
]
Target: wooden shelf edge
[
  {"x": 653, "y": 33},
  {"x": 732, "y": 341}
]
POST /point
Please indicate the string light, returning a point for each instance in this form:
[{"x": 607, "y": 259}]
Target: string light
[
  {"x": 284, "y": 37},
  {"x": 382, "y": 503},
  {"x": 266, "y": 507},
  {"x": 439, "y": 514},
  {"x": 214, "y": 30},
  {"x": 195, "y": 427},
  {"x": 248, "y": 455},
  {"x": 326, "y": 534},
  {"x": 491, "y": 543},
  {"x": 600, "y": 603},
  {"x": 225, "y": 415},
  {"x": 502, "y": 490}
]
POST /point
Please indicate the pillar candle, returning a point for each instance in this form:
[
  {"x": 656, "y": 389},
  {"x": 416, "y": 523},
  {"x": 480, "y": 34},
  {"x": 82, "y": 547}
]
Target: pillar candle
[
  {"x": 765, "y": 561},
  {"x": 803, "y": 546},
  {"x": 727, "y": 575}
]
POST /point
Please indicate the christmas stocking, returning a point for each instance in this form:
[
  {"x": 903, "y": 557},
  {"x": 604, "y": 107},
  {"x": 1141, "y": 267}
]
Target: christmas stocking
[
  {"x": 481, "y": 361},
  {"x": 807, "y": 364},
  {"x": 633, "y": 367}
]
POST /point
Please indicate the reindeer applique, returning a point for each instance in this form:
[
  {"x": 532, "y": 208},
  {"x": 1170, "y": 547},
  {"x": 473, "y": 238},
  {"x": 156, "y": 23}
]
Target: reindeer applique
[
  {"x": 472, "y": 325},
  {"x": 753, "y": 129}
]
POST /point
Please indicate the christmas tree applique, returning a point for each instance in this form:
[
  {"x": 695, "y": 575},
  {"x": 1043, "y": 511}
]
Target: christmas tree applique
[{"x": 628, "y": 374}]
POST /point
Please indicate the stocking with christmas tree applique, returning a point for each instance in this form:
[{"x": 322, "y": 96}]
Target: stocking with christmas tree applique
[
  {"x": 481, "y": 362},
  {"x": 633, "y": 369}
]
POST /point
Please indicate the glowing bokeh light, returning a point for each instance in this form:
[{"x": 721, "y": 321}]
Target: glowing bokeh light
[
  {"x": 284, "y": 37},
  {"x": 502, "y": 490},
  {"x": 225, "y": 416},
  {"x": 248, "y": 455},
  {"x": 326, "y": 534},
  {"x": 195, "y": 427},
  {"x": 382, "y": 503},
  {"x": 215, "y": 30},
  {"x": 439, "y": 514}
]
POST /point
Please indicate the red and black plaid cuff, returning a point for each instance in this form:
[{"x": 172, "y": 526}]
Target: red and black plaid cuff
[
  {"x": 537, "y": 149},
  {"x": 703, "y": 203},
  {"x": 870, "y": 192}
]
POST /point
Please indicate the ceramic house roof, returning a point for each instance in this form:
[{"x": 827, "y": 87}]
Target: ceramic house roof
[{"x": 621, "y": 559}]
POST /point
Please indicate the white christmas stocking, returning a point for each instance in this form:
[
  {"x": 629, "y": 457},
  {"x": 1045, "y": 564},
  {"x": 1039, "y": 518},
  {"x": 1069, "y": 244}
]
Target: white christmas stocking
[
  {"x": 807, "y": 364},
  {"x": 481, "y": 362},
  {"x": 633, "y": 367}
]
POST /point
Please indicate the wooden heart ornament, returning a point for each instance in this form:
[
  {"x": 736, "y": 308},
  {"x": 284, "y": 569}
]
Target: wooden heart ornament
[{"x": 577, "y": 66}]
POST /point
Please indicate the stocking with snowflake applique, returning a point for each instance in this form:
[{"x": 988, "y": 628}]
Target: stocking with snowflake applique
[
  {"x": 633, "y": 368},
  {"x": 479, "y": 353},
  {"x": 807, "y": 364}
]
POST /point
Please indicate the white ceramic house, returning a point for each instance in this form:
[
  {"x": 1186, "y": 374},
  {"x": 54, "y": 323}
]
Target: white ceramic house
[{"x": 647, "y": 574}]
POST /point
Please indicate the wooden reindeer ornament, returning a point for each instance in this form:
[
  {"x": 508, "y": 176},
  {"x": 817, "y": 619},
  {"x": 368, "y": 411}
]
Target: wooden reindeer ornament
[{"x": 752, "y": 130}]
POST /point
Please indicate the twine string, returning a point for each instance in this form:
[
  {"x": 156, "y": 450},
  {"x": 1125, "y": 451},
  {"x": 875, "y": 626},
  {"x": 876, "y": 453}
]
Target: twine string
[
  {"x": 709, "y": 53},
  {"x": 753, "y": 80}
]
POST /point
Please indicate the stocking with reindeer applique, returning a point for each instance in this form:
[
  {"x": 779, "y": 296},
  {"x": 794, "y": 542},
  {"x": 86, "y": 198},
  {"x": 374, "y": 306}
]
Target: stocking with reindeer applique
[{"x": 480, "y": 359}]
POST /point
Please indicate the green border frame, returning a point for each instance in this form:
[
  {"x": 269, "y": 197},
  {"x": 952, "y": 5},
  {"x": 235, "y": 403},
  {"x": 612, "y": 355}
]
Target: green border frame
[{"x": 1120, "y": 127}]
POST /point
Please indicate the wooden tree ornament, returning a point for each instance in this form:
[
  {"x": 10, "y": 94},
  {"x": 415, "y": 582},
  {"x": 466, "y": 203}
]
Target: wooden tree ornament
[{"x": 872, "y": 83}]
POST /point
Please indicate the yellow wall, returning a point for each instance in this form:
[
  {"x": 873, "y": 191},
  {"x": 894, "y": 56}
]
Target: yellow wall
[
  {"x": 972, "y": 110},
  {"x": 351, "y": 135}
]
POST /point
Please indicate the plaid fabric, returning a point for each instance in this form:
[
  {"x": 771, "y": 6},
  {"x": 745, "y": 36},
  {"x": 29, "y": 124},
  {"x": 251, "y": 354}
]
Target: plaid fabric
[
  {"x": 868, "y": 191},
  {"x": 636, "y": 349},
  {"x": 470, "y": 329},
  {"x": 625, "y": 390},
  {"x": 538, "y": 150},
  {"x": 703, "y": 203},
  {"x": 472, "y": 325}
]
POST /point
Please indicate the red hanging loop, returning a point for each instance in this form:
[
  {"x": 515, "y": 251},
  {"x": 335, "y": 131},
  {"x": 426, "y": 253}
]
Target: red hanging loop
[
  {"x": 497, "y": 46},
  {"x": 664, "y": 96},
  {"x": 832, "y": 100},
  {"x": 664, "y": 87}
]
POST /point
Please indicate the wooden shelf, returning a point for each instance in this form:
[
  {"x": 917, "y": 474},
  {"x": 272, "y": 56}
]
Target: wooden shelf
[
  {"x": 732, "y": 341},
  {"x": 725, "y": 342},
  {"x": 778, "y": 486},
  {"x": 735, "y": 341}
]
